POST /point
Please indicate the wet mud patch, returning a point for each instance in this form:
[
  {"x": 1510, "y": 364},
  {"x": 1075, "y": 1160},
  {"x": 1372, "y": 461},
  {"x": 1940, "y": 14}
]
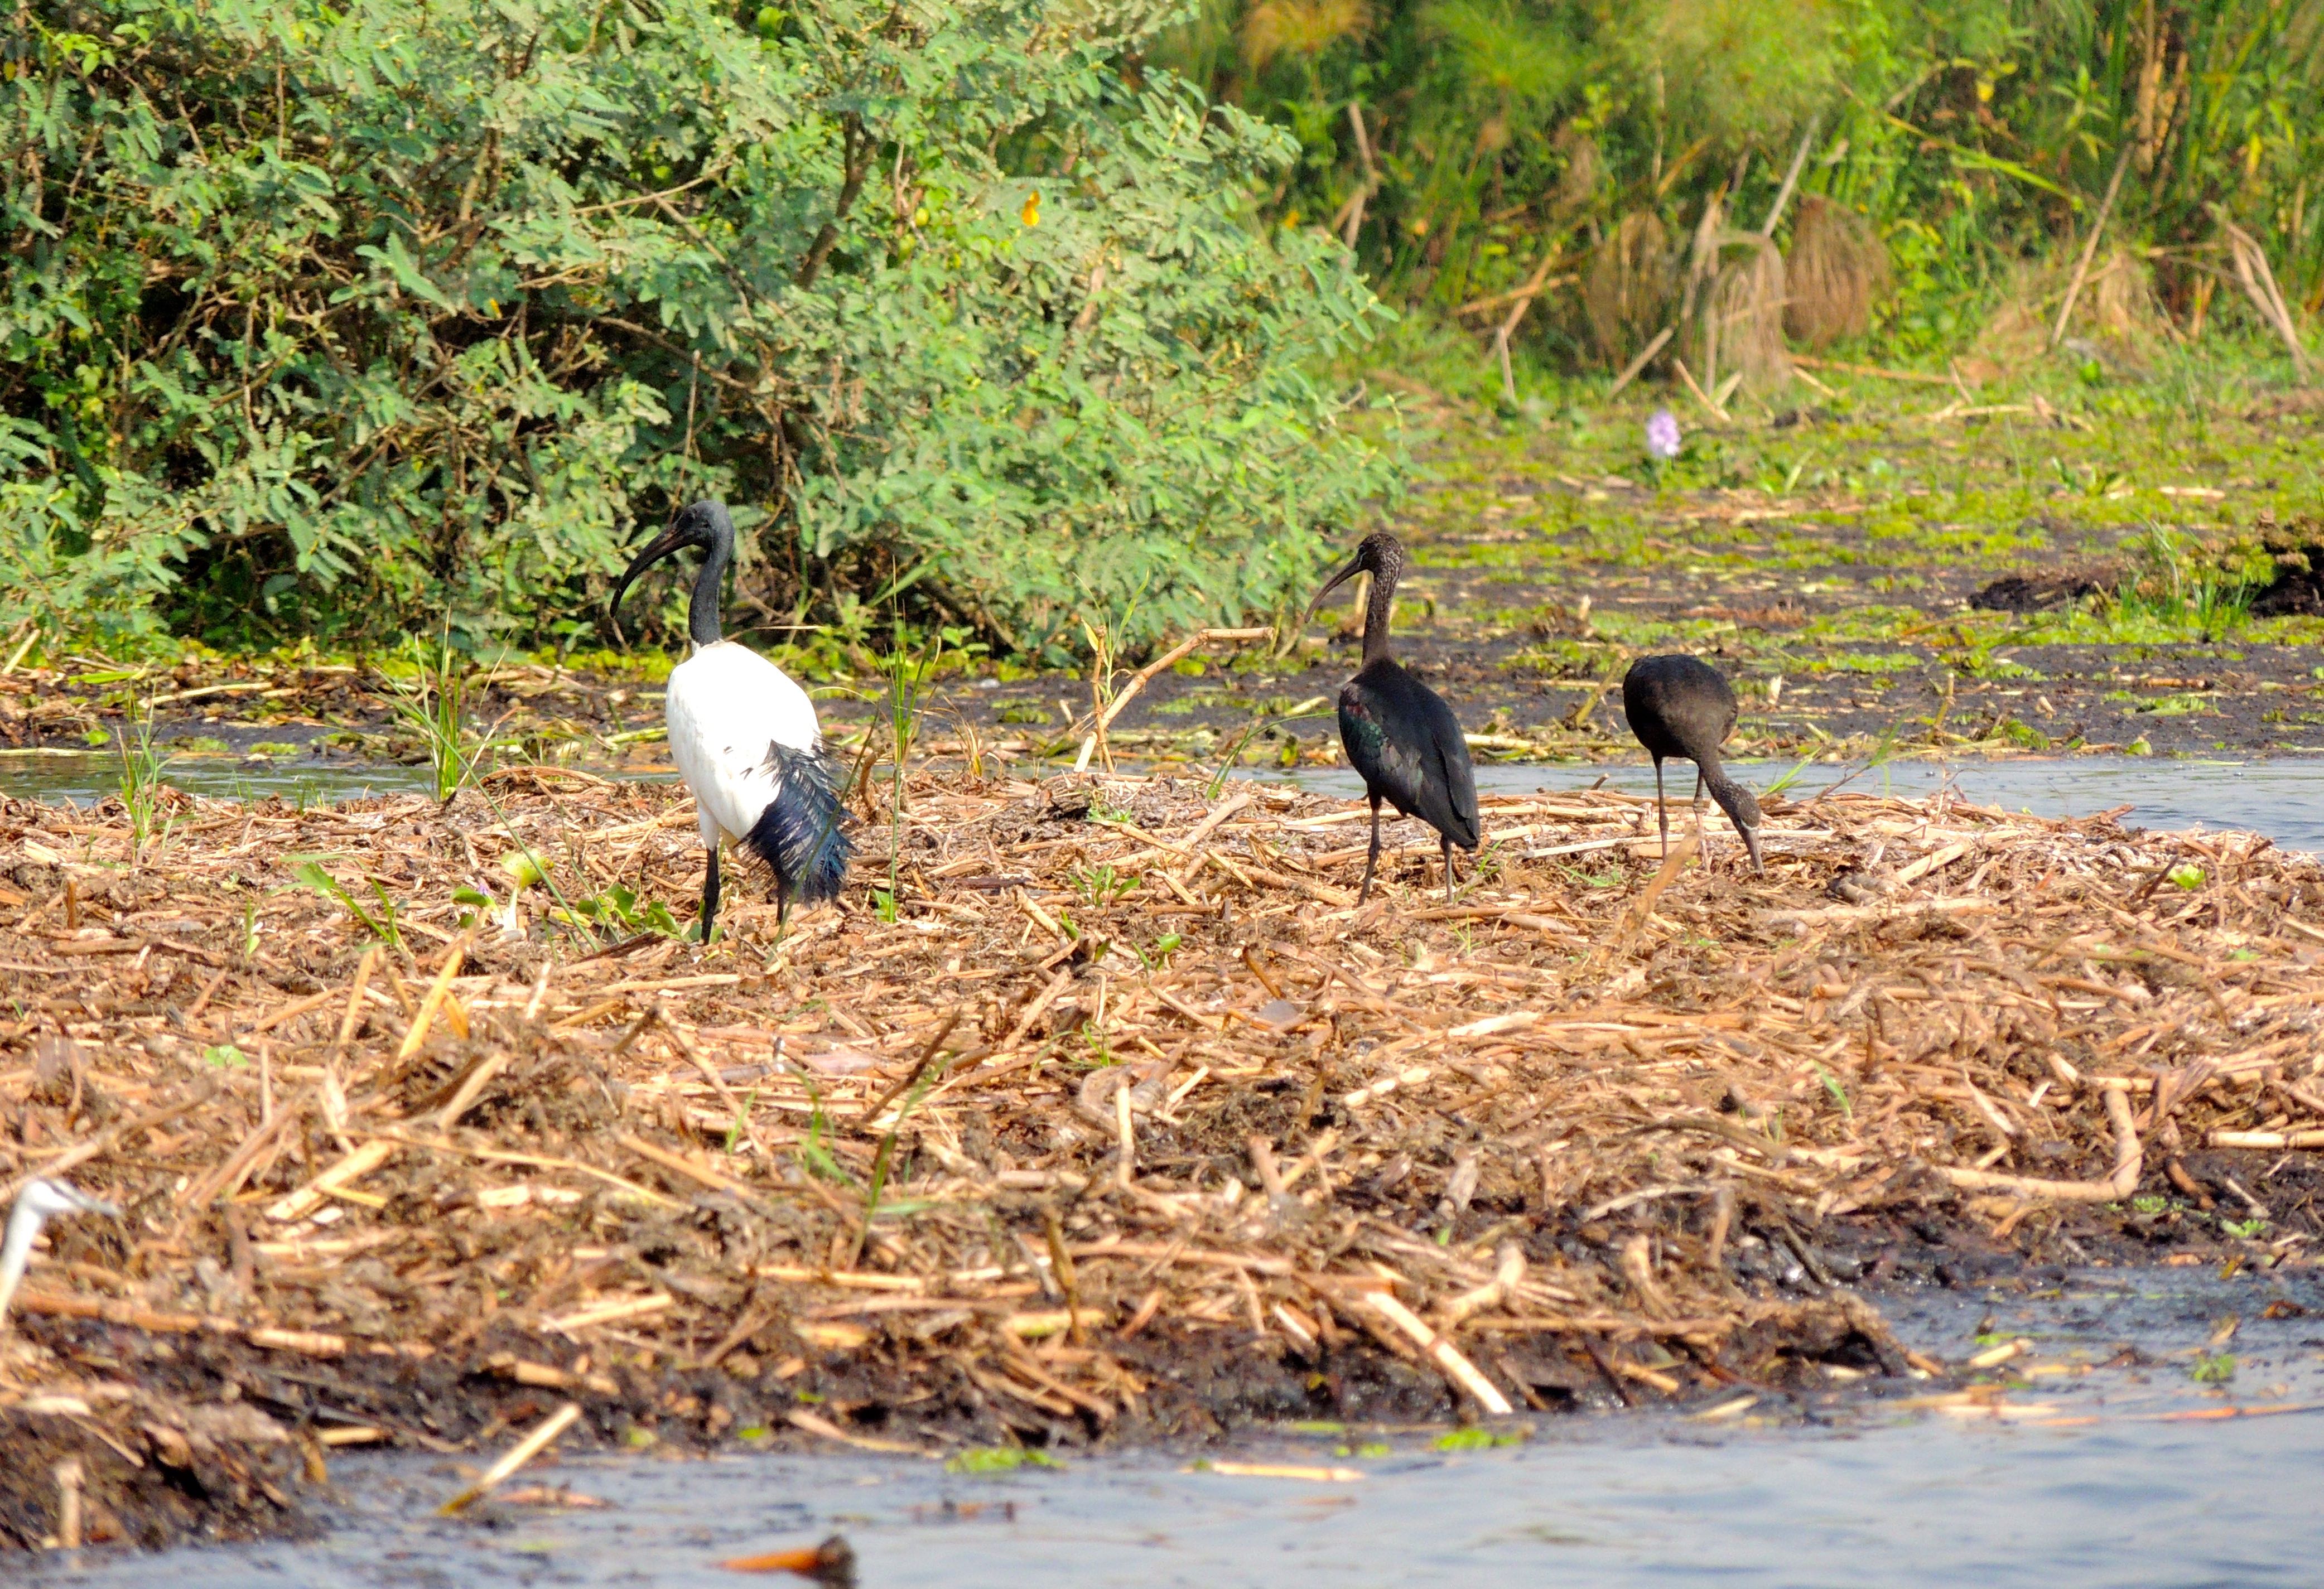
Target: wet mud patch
[
  {"x": 1097, "y": 1110},
  {"x": 2036, "y": 593}
]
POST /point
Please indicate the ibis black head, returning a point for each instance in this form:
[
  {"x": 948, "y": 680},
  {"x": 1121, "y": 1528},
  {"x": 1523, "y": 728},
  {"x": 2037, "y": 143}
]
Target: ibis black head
[
  {"x": 1381, "y": 556},
  {"x": 706, "y": 526}
]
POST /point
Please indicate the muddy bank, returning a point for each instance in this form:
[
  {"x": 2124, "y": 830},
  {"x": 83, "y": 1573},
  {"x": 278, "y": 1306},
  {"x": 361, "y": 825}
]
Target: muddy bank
[
  {"x": 1098, "y": 1111},
  {"x": 1888, "y": 570}
]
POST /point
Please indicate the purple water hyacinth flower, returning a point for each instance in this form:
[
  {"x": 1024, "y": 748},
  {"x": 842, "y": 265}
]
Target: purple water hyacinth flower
[{"x": 1662, "y": 434}]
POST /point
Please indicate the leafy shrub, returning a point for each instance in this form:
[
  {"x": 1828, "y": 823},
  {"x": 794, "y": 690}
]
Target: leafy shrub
[{"x": 340, "y": 319}]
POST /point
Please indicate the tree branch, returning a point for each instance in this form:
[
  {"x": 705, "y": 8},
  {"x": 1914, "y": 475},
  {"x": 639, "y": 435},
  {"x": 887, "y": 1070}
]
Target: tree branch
[{"x": 855, "y": 162}]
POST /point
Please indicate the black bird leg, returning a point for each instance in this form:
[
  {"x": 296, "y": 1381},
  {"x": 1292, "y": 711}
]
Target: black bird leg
[
  {"x": 710, "y": 894},
  {"x": 1446, "y": 844},
  {"x": 1661, "y": 807},
  {"x": 1372, "y": 860}
]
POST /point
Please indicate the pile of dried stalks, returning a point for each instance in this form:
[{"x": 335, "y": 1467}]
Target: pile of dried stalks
[
  {"x": 1123, "y": 1114},
  {"x": 1736, "y": 329},
  {"x": 1632, "y": 282},
  {"x": 2116, "y": 313},
  {"x": 1837, "y": 272}
]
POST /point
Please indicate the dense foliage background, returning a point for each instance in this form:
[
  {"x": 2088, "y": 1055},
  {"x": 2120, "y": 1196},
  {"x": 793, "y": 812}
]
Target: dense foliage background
[
  {"x": 338, "y": 320},
  {"x": 1973, "y": 135},
  {"x": 1012, "y": 314}
]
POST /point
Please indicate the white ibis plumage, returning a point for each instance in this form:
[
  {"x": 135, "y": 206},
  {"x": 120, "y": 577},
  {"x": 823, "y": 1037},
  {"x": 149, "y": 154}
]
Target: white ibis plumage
[
  {"x": 1399, "y": 733},
  {"x": 1678, "y": 706},
  {"x": 745, "y": 739}
]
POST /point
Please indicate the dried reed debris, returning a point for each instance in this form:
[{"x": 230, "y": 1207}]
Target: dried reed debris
[
  {"x": 1117, "y": 1113},
  {"x": 1836, "y": 274}
]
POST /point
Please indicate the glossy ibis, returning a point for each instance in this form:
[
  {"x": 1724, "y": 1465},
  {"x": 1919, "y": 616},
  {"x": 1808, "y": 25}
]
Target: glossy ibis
[
  {"x": 1678, "y": 706},
  {"x": 1399, "y": 732},
  {"x": 744, "y": 737}
]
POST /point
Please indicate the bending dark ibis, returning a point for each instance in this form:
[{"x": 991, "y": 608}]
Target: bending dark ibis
[
  {"x": 1399, "y": 732},
  {"x": 1678, "y": 706},
  {"x": 745, "y": 737}
]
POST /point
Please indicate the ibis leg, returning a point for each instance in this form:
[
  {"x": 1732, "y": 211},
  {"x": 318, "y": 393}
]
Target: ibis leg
[
  {"x": 1701, "y": 837},
  {"x": 1662, "y": 809},
  {"x": 709, "y": 895},
  {"x": 1446, "y": 844},
  {"x": 1372, "y": 860}
]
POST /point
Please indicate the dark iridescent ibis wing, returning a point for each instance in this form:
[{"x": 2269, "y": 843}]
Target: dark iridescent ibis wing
[
  {"x": 1407, "y": 745},
  {"x": 1678, "y": 706}
]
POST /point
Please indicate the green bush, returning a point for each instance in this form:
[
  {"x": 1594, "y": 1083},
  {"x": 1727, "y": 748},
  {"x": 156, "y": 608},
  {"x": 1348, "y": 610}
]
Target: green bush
[{"x": 336, "y": 321}]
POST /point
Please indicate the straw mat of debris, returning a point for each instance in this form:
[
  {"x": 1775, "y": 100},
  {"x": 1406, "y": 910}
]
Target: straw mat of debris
[{"x": 1115, "y": 1113}]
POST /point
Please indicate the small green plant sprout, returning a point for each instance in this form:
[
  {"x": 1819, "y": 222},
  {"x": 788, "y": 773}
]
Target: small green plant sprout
[
  {"x": 2186, "y": 875},
  {"x": 1787, "y": 780},
  {"x": 1159, "y": 955},
  {"x": 432, "y": 705},
  {"x": 1476, "y": 1440},
  {"x": 999, "y": 1459},
  {"x": 478, "y": 905},
  {"x": 883, "y": 904},
  {"x": 140, "y": 777},
  {"x": 225, "y": 1056},
  {"x": 381, "y": 925},
  {"x": 618, "y": 907},
  {"x": 741, "y": 1125},
  {"x": 479, "y": 908},
  {"x": 813, "y": 1155},
  {"x": 2243, "y": 1230},
  {"x": 2212, "y": 1368},
  {"x": 1101, "y": 885},
  {"x": 1839, "y": 1094},
  {"x": 909, "y": 672}
]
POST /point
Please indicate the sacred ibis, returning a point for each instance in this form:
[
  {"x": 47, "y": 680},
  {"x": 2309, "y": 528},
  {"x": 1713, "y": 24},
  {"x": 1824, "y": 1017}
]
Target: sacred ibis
[
  {"x": 744, "y": 737},
  {"x": 1399, "y": 732},
  {"x": 1678, "y": 706}
]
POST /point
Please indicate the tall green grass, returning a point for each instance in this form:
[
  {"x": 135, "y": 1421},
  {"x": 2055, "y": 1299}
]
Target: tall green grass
[
  {"x": 432, "y": 706},
  {"x": 139, "y": 776}
]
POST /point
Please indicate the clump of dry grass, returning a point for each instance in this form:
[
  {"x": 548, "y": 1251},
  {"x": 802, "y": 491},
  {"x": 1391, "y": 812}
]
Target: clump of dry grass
[
  {"x": 1736, "y": 328},
  {"x": 2118, "y": 314},
  {"x": 1631, "y": 285},
  {"x": 1120, "y": 1113},
  {"x": 1837, "y": 273},
  {"x": 1300, "y": 27}
]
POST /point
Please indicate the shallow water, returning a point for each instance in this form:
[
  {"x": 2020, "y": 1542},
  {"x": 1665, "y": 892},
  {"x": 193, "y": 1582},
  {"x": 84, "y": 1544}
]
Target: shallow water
[
  {"x": 1839, "y": 1490},
  {"x": 84, "y": 778},
  {"x": 2282, "y": 799}
]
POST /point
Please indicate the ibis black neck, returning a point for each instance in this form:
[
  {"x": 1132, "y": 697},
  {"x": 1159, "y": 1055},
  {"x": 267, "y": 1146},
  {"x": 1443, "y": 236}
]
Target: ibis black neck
[
  {"x": 702, "y": 610},
  {"x": 1377, "y": 605}
]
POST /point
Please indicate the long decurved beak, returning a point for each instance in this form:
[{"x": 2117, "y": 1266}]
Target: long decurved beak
[
  {"x": 669, "y": 541},
  {"x": 1334, "y": 584}
]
